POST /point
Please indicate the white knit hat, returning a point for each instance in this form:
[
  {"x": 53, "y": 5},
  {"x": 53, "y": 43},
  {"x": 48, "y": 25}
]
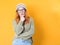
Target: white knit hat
[{"x": 20, "y": 5}]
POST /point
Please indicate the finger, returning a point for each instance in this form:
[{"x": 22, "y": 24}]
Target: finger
[{"x": 22, "y": 15}]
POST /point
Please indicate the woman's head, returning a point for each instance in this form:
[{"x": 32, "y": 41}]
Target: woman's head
[{"x": 21, "y": 9}]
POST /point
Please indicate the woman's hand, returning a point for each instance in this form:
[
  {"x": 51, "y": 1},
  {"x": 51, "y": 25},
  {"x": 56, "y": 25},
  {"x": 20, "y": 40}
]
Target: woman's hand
[{"x": 22, "y": 18}]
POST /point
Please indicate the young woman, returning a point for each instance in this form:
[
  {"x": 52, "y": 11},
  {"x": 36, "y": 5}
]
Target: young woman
[{"x": 23, "y": 26}]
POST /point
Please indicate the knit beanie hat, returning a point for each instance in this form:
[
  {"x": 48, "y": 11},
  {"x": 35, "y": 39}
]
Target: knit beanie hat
[{"x": 20, "y": 5}]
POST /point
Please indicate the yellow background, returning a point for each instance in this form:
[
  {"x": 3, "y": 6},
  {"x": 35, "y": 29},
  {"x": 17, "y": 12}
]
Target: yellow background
[{"x": 46, "y": 14}]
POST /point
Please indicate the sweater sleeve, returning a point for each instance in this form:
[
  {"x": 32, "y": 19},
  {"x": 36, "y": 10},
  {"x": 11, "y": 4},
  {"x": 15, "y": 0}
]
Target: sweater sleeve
[
  {"x": 29, "y": 33},
  {"x": 18, "y": 28}
]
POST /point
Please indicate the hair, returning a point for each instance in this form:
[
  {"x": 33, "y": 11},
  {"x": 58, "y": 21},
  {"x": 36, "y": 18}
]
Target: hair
[{"x": 19, "y": 16}]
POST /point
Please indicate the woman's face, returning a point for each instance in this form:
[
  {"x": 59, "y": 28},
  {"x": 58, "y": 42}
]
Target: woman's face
[{"x": 21, "y": 12}]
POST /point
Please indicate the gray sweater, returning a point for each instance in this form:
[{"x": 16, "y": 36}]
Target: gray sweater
[{"x": 28, "y": 31}]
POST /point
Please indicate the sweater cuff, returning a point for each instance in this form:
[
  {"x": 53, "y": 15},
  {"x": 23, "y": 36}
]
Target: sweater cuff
[{"x": 20, "y": 22}]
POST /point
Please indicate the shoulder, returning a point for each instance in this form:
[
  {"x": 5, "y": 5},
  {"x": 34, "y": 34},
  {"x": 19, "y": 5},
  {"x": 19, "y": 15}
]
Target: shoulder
[
  {"x": 13, "y": 21},
  {"x": 31, "y": 19}
]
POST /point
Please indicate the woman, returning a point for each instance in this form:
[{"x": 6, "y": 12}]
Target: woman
[{"x": 23, "y": 27}]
